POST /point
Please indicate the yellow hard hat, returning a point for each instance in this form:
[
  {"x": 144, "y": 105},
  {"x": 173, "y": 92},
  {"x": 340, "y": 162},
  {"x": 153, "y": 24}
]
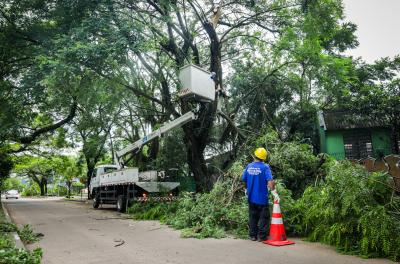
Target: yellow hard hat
[{"x": 261, "y": 153}]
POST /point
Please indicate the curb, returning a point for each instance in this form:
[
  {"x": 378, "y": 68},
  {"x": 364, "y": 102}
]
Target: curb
[{"x": 17, "y": 239}]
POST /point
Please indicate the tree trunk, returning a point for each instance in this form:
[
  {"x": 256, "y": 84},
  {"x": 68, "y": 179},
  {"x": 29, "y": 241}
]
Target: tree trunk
[
  {"x": 69, "y": 189},
  {"x": 42, "y": 188},
  {"x": 90, "y": 170},
  {"x": 45, "y": 185},
  {"x": 154, "y": 148},
  {"x": 196, "y": 162},
  {"x": 197, "y": 135}
]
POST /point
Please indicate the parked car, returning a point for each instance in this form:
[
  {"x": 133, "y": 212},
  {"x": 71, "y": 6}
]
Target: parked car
[{"x": 12, "y": 194}]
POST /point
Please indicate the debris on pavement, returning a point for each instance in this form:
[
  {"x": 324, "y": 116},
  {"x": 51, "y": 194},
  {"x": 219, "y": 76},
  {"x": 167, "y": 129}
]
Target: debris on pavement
[{"x": 120, "y": 242}]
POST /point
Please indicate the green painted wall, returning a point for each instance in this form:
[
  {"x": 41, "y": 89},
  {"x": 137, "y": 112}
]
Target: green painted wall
[
  {"x": 381, "y": 141},
  {"x": 334, "y": 144}
]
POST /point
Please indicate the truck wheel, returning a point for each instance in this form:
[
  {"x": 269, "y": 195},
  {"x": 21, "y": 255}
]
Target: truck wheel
[
  {"x": 121, "y": 204},
  {"x": 96, "y": 201}
]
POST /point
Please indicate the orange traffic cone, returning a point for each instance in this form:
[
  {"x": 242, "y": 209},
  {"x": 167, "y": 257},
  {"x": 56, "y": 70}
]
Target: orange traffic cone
[{"x": 277, "y": 234}]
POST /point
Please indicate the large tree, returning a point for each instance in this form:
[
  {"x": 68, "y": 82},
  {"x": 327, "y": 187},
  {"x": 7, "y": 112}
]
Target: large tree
[
  {"x": 39, "y": 169},
  {"x": 112, "y": 66},
  {"x": 33, "y": 105},
  {"x": 285, "y": 84},
  {"x": 374, "y": 93},
  {"x": 43, "y": 82},
  {"x": 162, "y": 36},
  {"x": 95, "y": 120},
  {"x": 70, "y": 169},
  {"x": 6, "y": 165}
]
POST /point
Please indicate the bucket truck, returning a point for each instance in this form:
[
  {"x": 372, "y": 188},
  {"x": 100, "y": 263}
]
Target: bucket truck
[{"x": 120, "y": 185}]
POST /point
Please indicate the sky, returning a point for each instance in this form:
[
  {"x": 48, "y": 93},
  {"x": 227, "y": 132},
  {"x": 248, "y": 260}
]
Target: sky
[{"x": 378, "y": 30}]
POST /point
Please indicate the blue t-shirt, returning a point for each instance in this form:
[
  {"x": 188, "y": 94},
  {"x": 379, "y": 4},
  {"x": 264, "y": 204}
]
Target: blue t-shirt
[{"x": 256, "y": 175}]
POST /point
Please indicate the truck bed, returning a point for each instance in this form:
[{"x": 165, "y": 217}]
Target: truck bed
[
  {"x": 124, "y": 176},
  {"x": 145, "y": 180}
]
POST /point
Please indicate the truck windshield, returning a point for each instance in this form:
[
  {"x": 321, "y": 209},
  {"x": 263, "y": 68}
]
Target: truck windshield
[{"x": 109, "y": 169}]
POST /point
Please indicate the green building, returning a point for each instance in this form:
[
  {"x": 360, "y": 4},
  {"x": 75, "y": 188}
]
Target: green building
[{"x": 345, "y": 135}]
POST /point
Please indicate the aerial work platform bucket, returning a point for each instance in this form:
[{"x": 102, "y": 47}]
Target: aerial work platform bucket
[{"x": 197, "y": 84}]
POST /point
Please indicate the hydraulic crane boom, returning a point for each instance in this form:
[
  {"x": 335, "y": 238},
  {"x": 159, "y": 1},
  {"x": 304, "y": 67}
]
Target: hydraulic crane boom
[
  {"x": 136, "y": 146},
  {"x": 197, "y": 85}
]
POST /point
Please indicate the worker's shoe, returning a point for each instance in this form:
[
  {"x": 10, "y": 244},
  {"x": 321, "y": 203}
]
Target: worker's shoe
[
  {"x": 253, "y": 238},
  {"x": 261, "y": 239}
]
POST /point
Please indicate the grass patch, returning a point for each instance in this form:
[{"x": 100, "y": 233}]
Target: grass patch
[
  {"x": 8, "y": 253},
  {"x": 27, "y": 234},
  {"x": 5, "y": 229},
  {"x": 20, "y": 256}
]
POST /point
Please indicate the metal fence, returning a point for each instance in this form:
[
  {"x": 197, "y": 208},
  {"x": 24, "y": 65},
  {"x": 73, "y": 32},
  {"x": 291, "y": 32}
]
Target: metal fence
[
  {"x": 376, "y": 153},
  {"x": 386, "y": 163}
]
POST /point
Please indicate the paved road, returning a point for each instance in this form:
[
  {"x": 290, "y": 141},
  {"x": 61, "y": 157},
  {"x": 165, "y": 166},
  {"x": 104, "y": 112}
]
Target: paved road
[{"x": 75, "y": 233}]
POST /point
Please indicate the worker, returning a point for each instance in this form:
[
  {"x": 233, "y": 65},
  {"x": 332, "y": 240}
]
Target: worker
[{"x": 257, "y": 176}]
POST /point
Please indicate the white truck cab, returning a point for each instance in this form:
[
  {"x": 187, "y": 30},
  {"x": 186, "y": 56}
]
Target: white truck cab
[{"x": 98, "y": 171}]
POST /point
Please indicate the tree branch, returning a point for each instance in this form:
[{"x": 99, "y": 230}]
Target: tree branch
[{"x": 29, "y": 139}]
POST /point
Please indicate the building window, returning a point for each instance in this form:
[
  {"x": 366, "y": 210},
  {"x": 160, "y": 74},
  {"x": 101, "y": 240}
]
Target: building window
[
  {"x": 349, "y": 152},
  {"x": 368, "y": 147},
  {"x": 357, "y": 144}
]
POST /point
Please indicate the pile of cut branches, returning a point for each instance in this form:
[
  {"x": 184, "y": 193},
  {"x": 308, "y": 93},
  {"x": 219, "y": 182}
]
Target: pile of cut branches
[{"x": 352, "y": 209}]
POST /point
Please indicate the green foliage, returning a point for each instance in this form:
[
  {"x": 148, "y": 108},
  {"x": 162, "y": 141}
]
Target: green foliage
[
  {"x": 292, "y": 162},
  {"x": 29, "y": 102},
  {"x": 153, "y": 210},
  {"x": 352, "y": 210},
  {"x": 220, "y": 212},
  {"x": 114, "y": 72},
  {"x": 374, "y": 93},
  {"x": 69, "y": 168},
  {"x": 346, "y": 207},
  {"x": 7, "y": 227},
  {"x": 172, "y": 151},
  {"x": 13, "y": 184},
  {"x": 6, "y": 165},
  {"x": 39, "y": 169},
  {"x": 27, "y": 234},
  {"x": 223, "y": 209},
  {"x": 299, "y": 74},
  {"x": 20, "y": 256},
  {"x": 59, "y": 190},
  {"x": 295, "y": 165},
  {"x": 8, "y": 253},
  {"x": 32, "y": 189},
  {"x": 214, "y": 213},
  {"x": 5, "y": 241}
]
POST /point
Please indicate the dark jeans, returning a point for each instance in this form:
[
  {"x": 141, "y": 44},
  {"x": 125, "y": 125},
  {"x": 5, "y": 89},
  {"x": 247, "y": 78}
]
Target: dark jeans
[{"x": 258, "y": 220}]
